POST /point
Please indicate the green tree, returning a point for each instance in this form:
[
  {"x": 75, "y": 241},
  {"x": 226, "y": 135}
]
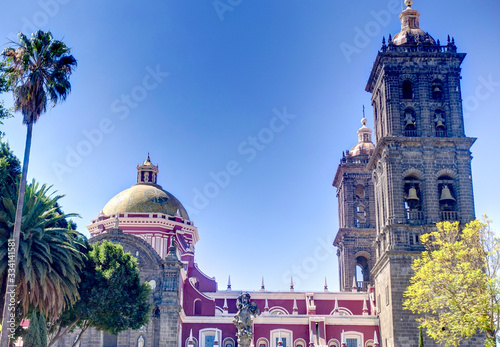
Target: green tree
[
  {"x": 10, "y": 168},
  {"x": 112, "y": 297},
  {"x": 37, "y": 72},
  {"x": 456, "y": 286},
  {"x": 4, "y": 87},
  {"x": 33, "y": 338},
  {"x": 49, "y": 261}
]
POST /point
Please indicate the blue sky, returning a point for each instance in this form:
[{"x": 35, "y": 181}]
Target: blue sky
[{"x": 195, "y": 82}]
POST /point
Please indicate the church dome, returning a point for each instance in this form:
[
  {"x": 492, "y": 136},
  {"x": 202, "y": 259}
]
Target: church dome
[{"x": 145, "y": 198}]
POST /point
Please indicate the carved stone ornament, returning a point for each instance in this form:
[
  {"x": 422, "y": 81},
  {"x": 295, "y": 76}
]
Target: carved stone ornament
[{"x": 243, "y": 319}]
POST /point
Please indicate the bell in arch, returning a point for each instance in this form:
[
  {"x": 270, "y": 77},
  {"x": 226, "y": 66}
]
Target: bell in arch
[
  {"x": 439, "y": 124},
  {"x": 412, "y": 194},
  {"x": 437, "y": 89},
  {"x": 446, "y": 194}
]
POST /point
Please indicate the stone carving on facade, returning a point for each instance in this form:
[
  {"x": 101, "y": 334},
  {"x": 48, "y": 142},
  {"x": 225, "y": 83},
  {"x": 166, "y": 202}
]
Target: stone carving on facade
[{"x": 243, "y": 319}]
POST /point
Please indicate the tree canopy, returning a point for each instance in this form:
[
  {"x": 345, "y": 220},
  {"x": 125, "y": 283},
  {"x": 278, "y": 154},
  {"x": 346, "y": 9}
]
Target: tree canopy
[
  {"x": 112, "y": 297},
  {"x": 456, "y": 286}
]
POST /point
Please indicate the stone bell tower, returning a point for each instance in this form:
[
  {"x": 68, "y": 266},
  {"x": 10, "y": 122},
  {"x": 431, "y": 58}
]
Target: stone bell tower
[
  {"x": 421, "y": 165},
  {"x": 356, "y": 234}
]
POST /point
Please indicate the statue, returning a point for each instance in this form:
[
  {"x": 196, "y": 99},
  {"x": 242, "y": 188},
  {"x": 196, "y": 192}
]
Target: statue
[
  {"x": 243, "y": 319},
  {"x": 117, "y": 221},
  {"x": 140, "y": 342}
]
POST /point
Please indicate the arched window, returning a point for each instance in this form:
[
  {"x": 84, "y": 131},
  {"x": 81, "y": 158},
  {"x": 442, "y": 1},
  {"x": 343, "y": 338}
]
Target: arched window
[
  {"x": 362, "y": 272},
  {"x": 285, "y": 335},
  {"x": 410, "y": 122},
  {"x": 437, "y": 90},
  {"x": 197, "y": 307},
  {"x": 413, "y": 199},
  {"x": 440, "y": 123},
  {"x": 407, "y": 90},
  {"x": 360, "y": 191},
  {"x": 361, "y": 216},
  {"x": 262, "y": 342},
  {"x": 228, "y": 342},
  {"x": 447, "y": 198},
  {"x": 209, "y": 336}
]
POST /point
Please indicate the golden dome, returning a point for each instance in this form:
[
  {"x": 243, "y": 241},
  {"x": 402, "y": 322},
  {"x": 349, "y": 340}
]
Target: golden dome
[{"x": 146, "y": 198}]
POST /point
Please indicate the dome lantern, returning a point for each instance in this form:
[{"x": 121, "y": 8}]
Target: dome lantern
[
  {"x": 365, "y": 144},
  {"x": 147, "y": 173},
  {"x": 410, "y": 28}
]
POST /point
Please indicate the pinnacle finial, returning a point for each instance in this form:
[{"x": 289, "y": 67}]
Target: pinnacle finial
[{"x": 409, "y": 3}]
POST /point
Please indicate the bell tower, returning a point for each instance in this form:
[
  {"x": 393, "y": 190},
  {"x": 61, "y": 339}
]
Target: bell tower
[
  {"x": 356, "y": 234},
  {"x": 421, "y": 165}
]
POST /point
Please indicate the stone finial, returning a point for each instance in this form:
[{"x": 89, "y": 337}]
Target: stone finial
[
  {"x": 354, "y": 284},
  {"x": 325, "y": 288},
  {"x": 262, "y": 286},
  {"x": 291, "y": 284},
  {"x": 375, "y": 340},
  {"x": 190, "y": 339},
  {"x": 229, "y": 284},
  {"x": 409, "y": 3},
  {"x": 344, "y": 343},
  {"x": 225, "y": 307},
  {"x": 365, "y": 308},
  {"x": 295, "y": 307},
  {"x": 280, "y": 341},
  {"x": 311, "y": 339},
  {"x": 266, "y": 306},
  {"x": 336, "y": 308}
]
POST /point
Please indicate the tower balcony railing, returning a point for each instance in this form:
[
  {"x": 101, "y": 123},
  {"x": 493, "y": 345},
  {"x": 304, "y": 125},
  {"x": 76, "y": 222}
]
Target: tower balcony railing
[
  {"x": 411, "y": 133},
  {"x": 362, "y": 286},
  {"x": 362, "y": 225},
  {"x": 450, "y": 216},
  {"x": 415, "y": 217},
  {"x": 417, "y": 47},
  {"x": 441, "y": 133}
]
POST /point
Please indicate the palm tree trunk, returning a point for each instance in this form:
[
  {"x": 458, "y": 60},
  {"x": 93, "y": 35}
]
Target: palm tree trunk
[{"x": 17, "y": 231}]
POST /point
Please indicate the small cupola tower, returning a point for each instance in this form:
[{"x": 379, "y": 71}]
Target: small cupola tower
[
  {"x": 356, "y": 234},
  {"x": 147, "y": 173}
]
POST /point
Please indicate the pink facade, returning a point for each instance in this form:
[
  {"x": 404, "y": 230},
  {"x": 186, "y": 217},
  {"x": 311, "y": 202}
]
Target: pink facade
[{"x": 206, "y": 313}]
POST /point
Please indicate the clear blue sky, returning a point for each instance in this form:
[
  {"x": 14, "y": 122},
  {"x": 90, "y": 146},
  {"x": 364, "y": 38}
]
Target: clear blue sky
[{"x": 228, "y": 68}]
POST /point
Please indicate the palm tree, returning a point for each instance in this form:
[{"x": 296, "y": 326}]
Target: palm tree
[
  {"x": 38, "y": 73},
  {"x": 49, "y": 256}
]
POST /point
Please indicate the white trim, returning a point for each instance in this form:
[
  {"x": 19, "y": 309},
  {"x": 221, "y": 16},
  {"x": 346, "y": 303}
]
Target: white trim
[
  {"x": 301, "y": 342},
  {"x": 228, "y": 340},
  {"x": 285, "y": 333},
  {"x": 355, "y": 335},
  {"x": 262, "y": 340},
  {"x": 368, "y": 342},
  {"x": 344, "y": 310},
  {"x": 278, "y": 311},
  {"x": 209, "y": 332},
  {"x": 331, "y": 342}
]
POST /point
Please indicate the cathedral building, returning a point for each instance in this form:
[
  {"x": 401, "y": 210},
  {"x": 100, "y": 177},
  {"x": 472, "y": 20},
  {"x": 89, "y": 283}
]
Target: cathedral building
[{"x": 394, "y": 185}]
